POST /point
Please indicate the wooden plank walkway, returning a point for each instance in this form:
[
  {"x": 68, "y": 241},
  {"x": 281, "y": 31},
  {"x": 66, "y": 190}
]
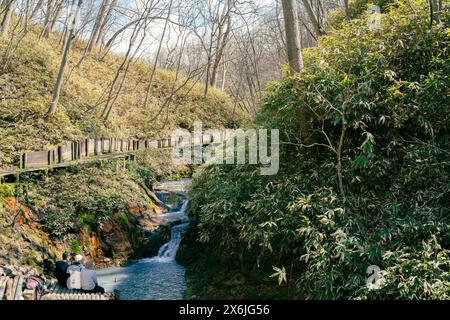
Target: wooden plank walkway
[
  {"x": 82, "y": 152},
  {"x": 103, "y": 157},
  {"x": 58, "y": 293},
  {"x": 13, "y": 289}
]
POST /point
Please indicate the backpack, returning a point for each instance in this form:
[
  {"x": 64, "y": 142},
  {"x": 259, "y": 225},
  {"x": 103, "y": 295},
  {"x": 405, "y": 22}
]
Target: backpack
[
  {"x": 34, "y": 282},
  {"x": 74, "y": 281}
]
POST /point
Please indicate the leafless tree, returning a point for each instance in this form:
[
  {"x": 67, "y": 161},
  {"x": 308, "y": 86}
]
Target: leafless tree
[
  {"x": 76, "y": 4},
  {"x": 293, "y": 40},
  {"x": 139, "y": 30},
  {"x": 152, "y": 75},
  {"x": 7, "y": 8}
]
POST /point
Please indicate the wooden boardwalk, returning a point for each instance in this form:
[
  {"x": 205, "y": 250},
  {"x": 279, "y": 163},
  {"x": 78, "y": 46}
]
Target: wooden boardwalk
[
  {"x": 58, "y": 293},
  {"x": 12, "y": 289},
  {"x": 90, "y": 150},
  {"x": 113, "y": 156}
]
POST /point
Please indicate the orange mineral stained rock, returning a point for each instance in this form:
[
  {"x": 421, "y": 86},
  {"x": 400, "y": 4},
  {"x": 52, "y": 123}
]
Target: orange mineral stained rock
[{"x": 23, "y": 214}]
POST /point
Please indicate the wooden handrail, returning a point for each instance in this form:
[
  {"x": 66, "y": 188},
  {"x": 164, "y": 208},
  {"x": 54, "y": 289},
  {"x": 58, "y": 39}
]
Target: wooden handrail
[{"x": 87, "y": 150}]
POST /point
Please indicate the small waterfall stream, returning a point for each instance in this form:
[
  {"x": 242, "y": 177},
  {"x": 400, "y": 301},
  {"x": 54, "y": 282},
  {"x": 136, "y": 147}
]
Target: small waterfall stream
[
  {"x": 156, "y": 278},
  {"x": 168, "y": 252}
]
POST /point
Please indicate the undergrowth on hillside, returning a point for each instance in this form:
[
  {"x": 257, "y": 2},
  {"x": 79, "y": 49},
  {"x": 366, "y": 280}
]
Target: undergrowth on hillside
[
  {"x": 26, "y": 88},
  {"x": 89, "y": 195}
]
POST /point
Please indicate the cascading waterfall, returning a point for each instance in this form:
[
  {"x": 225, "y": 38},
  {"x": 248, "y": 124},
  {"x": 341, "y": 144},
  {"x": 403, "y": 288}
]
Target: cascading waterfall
[
  {"x": 156, "y": 278},
  {"x": 180, "y": 215},
  {"x": 168, "y": 251}
]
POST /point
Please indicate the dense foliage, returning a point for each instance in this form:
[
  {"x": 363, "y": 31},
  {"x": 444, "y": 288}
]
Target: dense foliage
[{"x": 378, "y": 103}]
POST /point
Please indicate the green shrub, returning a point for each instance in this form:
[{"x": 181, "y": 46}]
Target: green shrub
[
  {"x": 123, "y": 220},
  {"x": 75, "y": 246},
  {"x": 57, "y": 222},
  {"x": 389, "y": 89},
  {"x": 87, "y": 218},
  {"x": 6, "y": 190}
]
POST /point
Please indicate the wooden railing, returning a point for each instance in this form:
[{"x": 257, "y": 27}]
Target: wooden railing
[{"x": 87, "y": 150}]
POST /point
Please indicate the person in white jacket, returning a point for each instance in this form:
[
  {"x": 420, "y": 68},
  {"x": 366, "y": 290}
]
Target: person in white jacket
[
  {"x": 89, "y": 281},
  {"x": 74, "y": 271}
]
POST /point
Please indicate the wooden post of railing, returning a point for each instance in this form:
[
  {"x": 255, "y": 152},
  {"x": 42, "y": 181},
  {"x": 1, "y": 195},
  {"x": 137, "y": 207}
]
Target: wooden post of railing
[
  {"x": 23, "y": 161},
  {"x": 96, "y": 146},
  {"x": 80, "y": 148},
  {"x": 60, "y": 159},
  {"x": 73, "y": 147},
  {"x": 86, "y": 147},
  {"x": 102, "y": 145}
]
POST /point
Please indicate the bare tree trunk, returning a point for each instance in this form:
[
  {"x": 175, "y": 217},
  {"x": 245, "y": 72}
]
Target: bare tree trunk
[
  {"x": 128, "y": 58},
  {"x": 64, "y": 35},
  {"x": 56, "y": 15},
  {"x": 224, "y": 76},
  {"x": 293, "y": 41},
  {"x": 59, "y": 81},
  {"x": 434, "y": 11},
  {"x": 293, "y": 37},
  {"x": 36, "y": 9},
  {"x": 347, "y": 10},
  {"x": 25, "y": 16},
  {"x": 208, "y": 67},
  {"x": 152, "y": 75},
  {"x": 312, "y": 17},
  {"x": 46, "y": 30},
  {"x": 222, "y": 43},
  {"x": 97, "y": 26},
  {"x": 109, "y": 14},
  {"x": 16, "y": 37},
  {"x": 4, "y": 27}
]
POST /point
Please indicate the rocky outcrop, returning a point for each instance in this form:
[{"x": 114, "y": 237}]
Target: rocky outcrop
[
  {"x": 22, "y": 240},
  {"x": 128, "y": 236}
]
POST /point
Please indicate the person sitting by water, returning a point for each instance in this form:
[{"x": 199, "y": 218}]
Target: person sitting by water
[
  {"x": 61, "y": 270},
  {"x": 89, "y": 281},
  {"x": 74, "y": 271}
]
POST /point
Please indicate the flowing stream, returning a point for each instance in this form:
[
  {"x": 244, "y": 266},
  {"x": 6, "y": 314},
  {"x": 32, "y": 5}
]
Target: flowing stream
[{"x": 157, "y": 278}]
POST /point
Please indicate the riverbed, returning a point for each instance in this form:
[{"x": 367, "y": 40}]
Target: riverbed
[{"x": 156, "y": 278}]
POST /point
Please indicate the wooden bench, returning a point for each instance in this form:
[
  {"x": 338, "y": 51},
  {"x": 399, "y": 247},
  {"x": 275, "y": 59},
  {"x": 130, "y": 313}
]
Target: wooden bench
[{"x": 58, "y": 293}]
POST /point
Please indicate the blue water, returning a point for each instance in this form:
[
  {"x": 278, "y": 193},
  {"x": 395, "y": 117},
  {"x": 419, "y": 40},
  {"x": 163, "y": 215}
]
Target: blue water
[{"x": 157, "y": 278}]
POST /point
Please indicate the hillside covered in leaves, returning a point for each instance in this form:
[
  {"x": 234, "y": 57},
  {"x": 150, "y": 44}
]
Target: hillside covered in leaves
[{"x": 27, "y": 79}]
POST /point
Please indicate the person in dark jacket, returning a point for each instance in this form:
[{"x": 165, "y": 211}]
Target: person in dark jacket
[{"x": 61, "y": 270}]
